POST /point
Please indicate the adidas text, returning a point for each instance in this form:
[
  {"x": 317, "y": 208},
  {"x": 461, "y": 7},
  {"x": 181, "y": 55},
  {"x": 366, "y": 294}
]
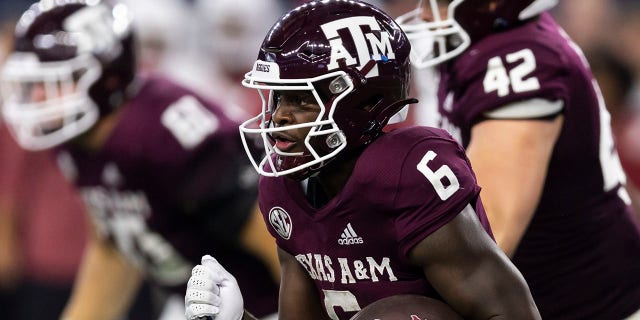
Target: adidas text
[{"x": 350, "y": 241}]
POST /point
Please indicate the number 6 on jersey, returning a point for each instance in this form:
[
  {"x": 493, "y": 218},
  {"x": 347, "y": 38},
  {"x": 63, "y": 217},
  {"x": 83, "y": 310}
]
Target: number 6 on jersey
[{"x": 436, "y": 177}]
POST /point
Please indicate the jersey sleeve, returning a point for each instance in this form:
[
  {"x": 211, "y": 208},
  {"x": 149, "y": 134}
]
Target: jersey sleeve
[
  {"x": 514, "y": 71},
  {"x": 436, "y": 183}
]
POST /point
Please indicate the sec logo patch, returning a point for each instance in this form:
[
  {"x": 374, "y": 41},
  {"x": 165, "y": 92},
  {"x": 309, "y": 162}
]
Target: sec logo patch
[{"x": 281, "y": 222}]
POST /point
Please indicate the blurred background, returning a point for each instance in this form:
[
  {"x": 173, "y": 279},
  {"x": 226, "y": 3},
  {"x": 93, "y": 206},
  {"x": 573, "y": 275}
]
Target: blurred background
[{"x": 209, "y": 45}]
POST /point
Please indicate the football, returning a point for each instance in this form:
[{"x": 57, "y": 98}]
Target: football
[{"x": 407, "y": 307}]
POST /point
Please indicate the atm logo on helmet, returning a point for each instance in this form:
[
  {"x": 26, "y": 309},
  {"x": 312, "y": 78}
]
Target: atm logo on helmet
[{"x": 368, "y": 46}]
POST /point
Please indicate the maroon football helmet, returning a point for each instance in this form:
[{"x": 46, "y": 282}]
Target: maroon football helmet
[
  {"x": 352, "y": 57},
  {"x": 72, "y": 63},
  {"x": 442, "y": 38}
]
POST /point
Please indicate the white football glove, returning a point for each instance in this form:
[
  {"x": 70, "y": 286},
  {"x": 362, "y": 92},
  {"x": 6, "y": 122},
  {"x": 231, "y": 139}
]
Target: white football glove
[{"x": 213, "y": 293}]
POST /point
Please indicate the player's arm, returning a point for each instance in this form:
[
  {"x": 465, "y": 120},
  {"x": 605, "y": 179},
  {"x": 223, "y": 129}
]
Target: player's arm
[
  {"x": 105, "y": 285},
  {"x": 13, "y": 169},
  {"x": 298, "y": 296},
  {"x": 9, "y": 248},
  {"x": 256, "y": 238},
  {"x": 471, "y": 273},
  {"x": 510, "y": 159}
]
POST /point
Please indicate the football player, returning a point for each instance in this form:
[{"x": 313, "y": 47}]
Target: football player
[
  {"x": 358, "y": 214},
  {"x": 520, "y": 97},
  {"x": 161, "y": 170}
]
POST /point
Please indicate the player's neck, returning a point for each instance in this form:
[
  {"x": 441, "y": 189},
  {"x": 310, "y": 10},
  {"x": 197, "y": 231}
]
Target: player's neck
[{"x": 335, "y": 175}]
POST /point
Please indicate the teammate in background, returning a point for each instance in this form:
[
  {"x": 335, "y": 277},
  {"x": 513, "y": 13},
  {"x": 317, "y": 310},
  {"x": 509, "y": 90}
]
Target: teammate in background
[
  {"x": 358, "y": 214},
  {"x": 519, "y": 95},
  {"x": 160, "y": 169}
]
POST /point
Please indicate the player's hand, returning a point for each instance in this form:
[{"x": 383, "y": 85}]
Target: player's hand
[{"x": 213, "y": 293}]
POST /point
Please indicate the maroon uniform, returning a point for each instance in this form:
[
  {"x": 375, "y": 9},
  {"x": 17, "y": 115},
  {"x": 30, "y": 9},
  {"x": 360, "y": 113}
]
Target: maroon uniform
[
  {"x": 581, "y": 251},
  {"x": 170, "y": 184},
  {"x": 411, "y": 181}
]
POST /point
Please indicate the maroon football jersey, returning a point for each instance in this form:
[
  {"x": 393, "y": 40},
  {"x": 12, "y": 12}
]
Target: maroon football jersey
[
  {"x": 581, "y": 252},
  {"x": 171, "y": 184},
  {"x": 405, "y": 185}
]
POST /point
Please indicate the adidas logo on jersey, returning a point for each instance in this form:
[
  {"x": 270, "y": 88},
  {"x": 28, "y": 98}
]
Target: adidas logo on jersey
[{"x": 349, "y": 236}]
